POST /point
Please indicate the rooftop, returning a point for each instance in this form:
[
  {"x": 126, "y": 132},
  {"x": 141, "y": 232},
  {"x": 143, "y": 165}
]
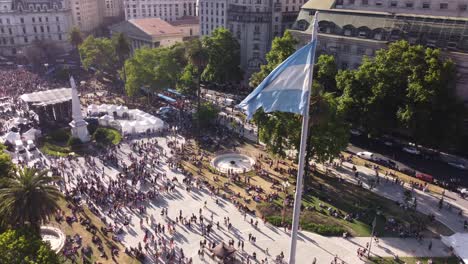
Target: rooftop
[
  {"x": 48, "y": 97},
  {"x": 155, "y": 26}
]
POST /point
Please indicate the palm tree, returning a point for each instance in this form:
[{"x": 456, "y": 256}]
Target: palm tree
[
  {"x": 75, "y": 38},
  {"x": 28, "y": 196},
  {"x": 198, "y": 56},
  {"x": 122, "y": 48}
]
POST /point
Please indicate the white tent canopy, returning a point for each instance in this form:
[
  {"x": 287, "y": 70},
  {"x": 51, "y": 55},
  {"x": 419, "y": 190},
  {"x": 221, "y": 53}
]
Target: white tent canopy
[
  {"x": 31, "y": 134},
  {"x": 11, "y": 137},
  {"x": 459, "y": 243},
  {"x": 139, "y": 122},
  {"x": 105, "y": 119}
]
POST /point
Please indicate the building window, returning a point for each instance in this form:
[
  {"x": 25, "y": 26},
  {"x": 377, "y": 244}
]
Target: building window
[
  {"x": 443, "y": 6},
  {"x": 426, "y": 5},
  {"x": 462, "y": 7},
  {"x": 409, "y": 5},
  {"x": 393, "y": 4},
  {"x": 25, "y": 39},
  {"x": 351, "y": 2},
  {"x": 365, "y": 2},
  {"x": 379, "y": 4},
  {"x": 22, "y": 20}
]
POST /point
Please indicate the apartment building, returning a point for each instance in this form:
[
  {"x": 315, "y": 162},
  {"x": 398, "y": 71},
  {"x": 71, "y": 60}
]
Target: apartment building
[
  {"x": 88, "y": 15},
  {"x": 21, "y": 23},
  {"x": 351, "y": 29},
  {"x": 253, "y": 22},
  {"x": 168, "y": 10},
  {"x": 113, "y": 8}
]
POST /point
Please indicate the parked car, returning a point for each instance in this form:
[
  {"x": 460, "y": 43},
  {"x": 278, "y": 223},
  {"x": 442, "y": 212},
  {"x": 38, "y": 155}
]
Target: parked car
[
  {"x": 458, "y": 165},
  {"x": 408, "y": 171},
  {"x": 411, "y": 150},
  {"x": 366, "y": 155},
  {"x": 355, "y": 132}
]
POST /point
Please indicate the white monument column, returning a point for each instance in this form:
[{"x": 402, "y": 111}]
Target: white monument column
[{"x": 79, "y": 127}]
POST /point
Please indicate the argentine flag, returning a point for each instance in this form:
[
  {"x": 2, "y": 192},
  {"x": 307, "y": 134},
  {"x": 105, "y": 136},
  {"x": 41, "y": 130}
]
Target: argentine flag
[{"x": 287, "y": 87}]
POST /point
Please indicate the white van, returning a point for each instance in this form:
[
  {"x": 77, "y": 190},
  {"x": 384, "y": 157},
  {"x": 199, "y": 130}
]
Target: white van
[{"x": 366, "y": 155}]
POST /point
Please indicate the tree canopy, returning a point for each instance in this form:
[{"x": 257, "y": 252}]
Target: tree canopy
[
  {"x": 155, "y": 68},
  {"x": 223, "y": 57},
  {"x": 5, "y": 162},
  {"x": 25, "y": 247},
  {"x": 281, "y": 49},
  {"x": 99, "y": 53},
  {"x": 75, "y": 37},
  {"x": 27, "y": 197},
  {"x": 206, "y": 114},
  {"x": 406, "y": 88},
  {"x": 280, "y": 131}
]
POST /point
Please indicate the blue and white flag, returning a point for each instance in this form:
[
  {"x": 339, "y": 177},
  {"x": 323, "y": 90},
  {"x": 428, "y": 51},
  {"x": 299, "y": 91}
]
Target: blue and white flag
[{"x": 287, "y": 87}]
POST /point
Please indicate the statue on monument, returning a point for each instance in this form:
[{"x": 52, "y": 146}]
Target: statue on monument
[{"x": 79, "y": 127}]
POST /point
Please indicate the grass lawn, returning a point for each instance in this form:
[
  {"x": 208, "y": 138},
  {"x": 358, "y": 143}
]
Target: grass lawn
[
  {"x": 52, "y": 149},
  {"x": 77, "y": 228},
  {"x": 107, "y": 135},
  {"x": 413, "y": 260},
  {"x": 55, "y": 144}
]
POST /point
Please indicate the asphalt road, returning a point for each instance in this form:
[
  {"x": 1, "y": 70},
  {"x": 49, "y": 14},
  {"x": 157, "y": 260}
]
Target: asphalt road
[{"x": 438, "y": 169}]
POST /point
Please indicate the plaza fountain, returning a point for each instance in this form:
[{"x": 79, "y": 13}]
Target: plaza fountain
[
  {"x": 234, "y": 162},
  {"x": 54, "y": 236}
]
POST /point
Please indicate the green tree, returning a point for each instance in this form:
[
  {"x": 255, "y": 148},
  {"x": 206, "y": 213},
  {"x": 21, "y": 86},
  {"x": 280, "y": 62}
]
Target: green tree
[
  {"x": 28, "y": 196},
  {"x": 25, "y": 247},
  {"x": 207, "y": 114},
  {"x": 187, "y": 83},
  {"x": 281, "y": 49},
  {"x": 405, "y": 88},
  {"x": 156, "y": 68},
  {"x": 75, "y": 38},
  {"x": 99, "y": 53},
  {"x": 325, "y": 70},
  {"x": 224, "y": 57},
  {"x": 122, "y": 49},
  {"x": 280, "y": 131},
  {"x": 5, "y": 162}
]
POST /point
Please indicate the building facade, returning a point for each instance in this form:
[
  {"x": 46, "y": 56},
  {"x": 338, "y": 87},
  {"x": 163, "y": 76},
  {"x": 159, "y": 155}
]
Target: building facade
[
  {"x": 253, "y": 22},
  {"x": 155, "y": 32},
  {"x": 113, "y": 8},
  {"x": 88, "y": 15},
  {"x": 168, "y": 10},
  {"x": 27, "y": 22},
  {"x": 351, "y": 29}
]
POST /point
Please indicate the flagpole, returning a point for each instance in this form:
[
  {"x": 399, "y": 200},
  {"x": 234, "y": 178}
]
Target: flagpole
[{"x": 301, "y": 165}]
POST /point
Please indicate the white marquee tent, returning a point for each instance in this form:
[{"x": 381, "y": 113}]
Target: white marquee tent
[
  {"x": 459, "y": 243},
  {"x": 105, "y": 120},
  {"x": 11, "y": 137},
  {"x": 31, "y": 134},
  {"x": 139, "y": 122}
]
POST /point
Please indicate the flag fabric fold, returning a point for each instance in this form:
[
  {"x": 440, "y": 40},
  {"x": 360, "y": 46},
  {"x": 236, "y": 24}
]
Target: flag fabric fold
[{"x": 287, "y": 87}]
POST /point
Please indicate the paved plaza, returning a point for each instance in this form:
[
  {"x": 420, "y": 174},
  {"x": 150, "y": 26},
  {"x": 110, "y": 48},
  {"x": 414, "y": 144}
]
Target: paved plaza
[{"x": 270, "y": 241}]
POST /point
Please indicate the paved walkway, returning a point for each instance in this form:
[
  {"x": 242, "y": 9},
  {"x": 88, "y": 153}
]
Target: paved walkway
[{"x": 276, "y": 240}]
